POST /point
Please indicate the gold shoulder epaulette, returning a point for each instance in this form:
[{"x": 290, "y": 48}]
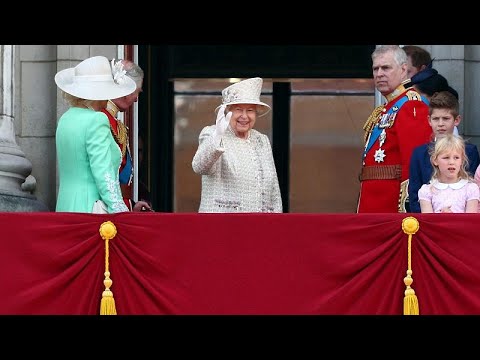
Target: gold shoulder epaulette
[{"x": 413, "y": 95}]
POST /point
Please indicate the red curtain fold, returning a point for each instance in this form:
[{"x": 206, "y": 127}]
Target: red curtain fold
[
  {"x": 163, "y": 263},
  {"x": 446, "y": 270}
]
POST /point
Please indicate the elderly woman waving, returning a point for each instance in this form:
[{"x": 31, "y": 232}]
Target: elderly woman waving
[{"x": 235, "y": 160}]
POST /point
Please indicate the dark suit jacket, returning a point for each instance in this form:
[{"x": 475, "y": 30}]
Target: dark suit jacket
[{"x": 421, "y": 170}]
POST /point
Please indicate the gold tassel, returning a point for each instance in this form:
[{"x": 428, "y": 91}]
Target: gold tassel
[
  {"x": 403, "y": 196},
  {"x": 107, "y": 304},
  {"x": 410, "y": 301},
  {"x": 410, "y": 226}
]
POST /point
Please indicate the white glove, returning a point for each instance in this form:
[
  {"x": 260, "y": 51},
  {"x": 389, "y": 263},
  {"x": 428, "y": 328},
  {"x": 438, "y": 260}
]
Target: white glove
[{"x": 221, "y": 124}]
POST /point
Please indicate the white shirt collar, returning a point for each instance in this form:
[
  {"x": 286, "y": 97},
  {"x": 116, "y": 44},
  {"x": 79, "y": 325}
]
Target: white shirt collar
[{"x": 455, "y": 186}]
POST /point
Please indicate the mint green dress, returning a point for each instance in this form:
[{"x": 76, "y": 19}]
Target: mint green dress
[{"x": 88, "y": 162}]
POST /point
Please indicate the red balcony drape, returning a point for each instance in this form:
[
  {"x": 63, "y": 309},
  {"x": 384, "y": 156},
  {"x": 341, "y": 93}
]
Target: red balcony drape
[{"x": 163, "y": 263}]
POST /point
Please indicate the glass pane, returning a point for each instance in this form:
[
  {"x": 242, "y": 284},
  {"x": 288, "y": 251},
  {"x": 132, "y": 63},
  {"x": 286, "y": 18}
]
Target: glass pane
[
  {"x": 325, "y": 152},
  {"x": 213, "y": 86},
  {"x": 192, "y": 114},
  {"x": 333, "y": 86}
]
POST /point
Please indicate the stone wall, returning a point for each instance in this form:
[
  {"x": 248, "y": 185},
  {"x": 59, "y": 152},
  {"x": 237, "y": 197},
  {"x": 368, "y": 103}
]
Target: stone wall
[{"x": 39, "y": 104}]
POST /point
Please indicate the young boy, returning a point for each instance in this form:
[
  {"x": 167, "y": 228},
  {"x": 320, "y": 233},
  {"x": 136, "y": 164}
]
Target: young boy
[{"x": 443, "y": 117}]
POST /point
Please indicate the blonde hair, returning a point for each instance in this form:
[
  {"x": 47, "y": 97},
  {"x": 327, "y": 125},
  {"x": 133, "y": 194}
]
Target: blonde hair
[
  {"x": 74, "y": 101},
  {"x": 450, "y": 143}
]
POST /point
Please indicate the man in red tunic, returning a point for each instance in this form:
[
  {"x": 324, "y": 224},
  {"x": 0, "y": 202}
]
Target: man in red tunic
[
  {"x": 392, "y": 131},
  {"x": 120, "y": 131}
]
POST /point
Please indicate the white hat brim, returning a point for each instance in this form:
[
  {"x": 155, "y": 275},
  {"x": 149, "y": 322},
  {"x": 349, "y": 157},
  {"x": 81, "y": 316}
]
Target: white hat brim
[
  {"x": 263, "y": 110},
  {"x": 100, "y": 90}
]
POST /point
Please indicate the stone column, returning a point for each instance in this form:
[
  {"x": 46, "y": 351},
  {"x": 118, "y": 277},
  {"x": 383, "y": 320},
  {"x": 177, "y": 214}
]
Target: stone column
[{"x": 14, "y": 167}]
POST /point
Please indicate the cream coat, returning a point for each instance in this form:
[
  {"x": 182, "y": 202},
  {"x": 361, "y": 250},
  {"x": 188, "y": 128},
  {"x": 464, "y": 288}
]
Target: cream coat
[{"x": 239, "y": 176}]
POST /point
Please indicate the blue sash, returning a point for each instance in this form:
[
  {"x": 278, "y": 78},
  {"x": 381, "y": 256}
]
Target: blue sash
[
  {"x": 377, "y": 130},
  {"x": 126, "y": 174}
]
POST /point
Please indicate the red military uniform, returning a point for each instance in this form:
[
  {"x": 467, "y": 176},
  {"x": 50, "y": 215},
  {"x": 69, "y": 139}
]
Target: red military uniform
[
  {"x": 392, "y": 132},
  {"x": 120, "y": 133}
]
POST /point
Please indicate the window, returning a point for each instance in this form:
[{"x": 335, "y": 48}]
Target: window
[{"x": 326, "y": 139}]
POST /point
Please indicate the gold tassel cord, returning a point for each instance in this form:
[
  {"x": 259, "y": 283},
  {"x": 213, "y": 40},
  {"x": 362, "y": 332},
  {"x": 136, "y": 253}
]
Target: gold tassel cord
[
  {"x": 410, "y": 226},
  {"x": 121, "y": 137},
  {"x": 372, "y": 121},
  {"x": 107, "y": 304}
]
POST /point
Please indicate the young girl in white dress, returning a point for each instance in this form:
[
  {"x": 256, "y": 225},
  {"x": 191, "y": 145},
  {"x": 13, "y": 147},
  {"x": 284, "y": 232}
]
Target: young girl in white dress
[{"x": 451, "y": 189}]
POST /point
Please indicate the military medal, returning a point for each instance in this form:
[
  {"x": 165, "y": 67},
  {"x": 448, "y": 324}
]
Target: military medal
[
  {"x": 387, "y": 120},
  {"x": 379, "y": 155},
  {"x": 382, "y": 138}
]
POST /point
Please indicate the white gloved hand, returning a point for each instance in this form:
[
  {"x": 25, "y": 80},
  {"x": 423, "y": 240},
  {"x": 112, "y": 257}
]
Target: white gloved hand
[{"x": 221, "y": 124}]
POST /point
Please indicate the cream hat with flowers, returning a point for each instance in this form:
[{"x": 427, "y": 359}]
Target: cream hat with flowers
[
  {"x": 245, "y": 92},
  {"x": 92, "y": 79}
]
